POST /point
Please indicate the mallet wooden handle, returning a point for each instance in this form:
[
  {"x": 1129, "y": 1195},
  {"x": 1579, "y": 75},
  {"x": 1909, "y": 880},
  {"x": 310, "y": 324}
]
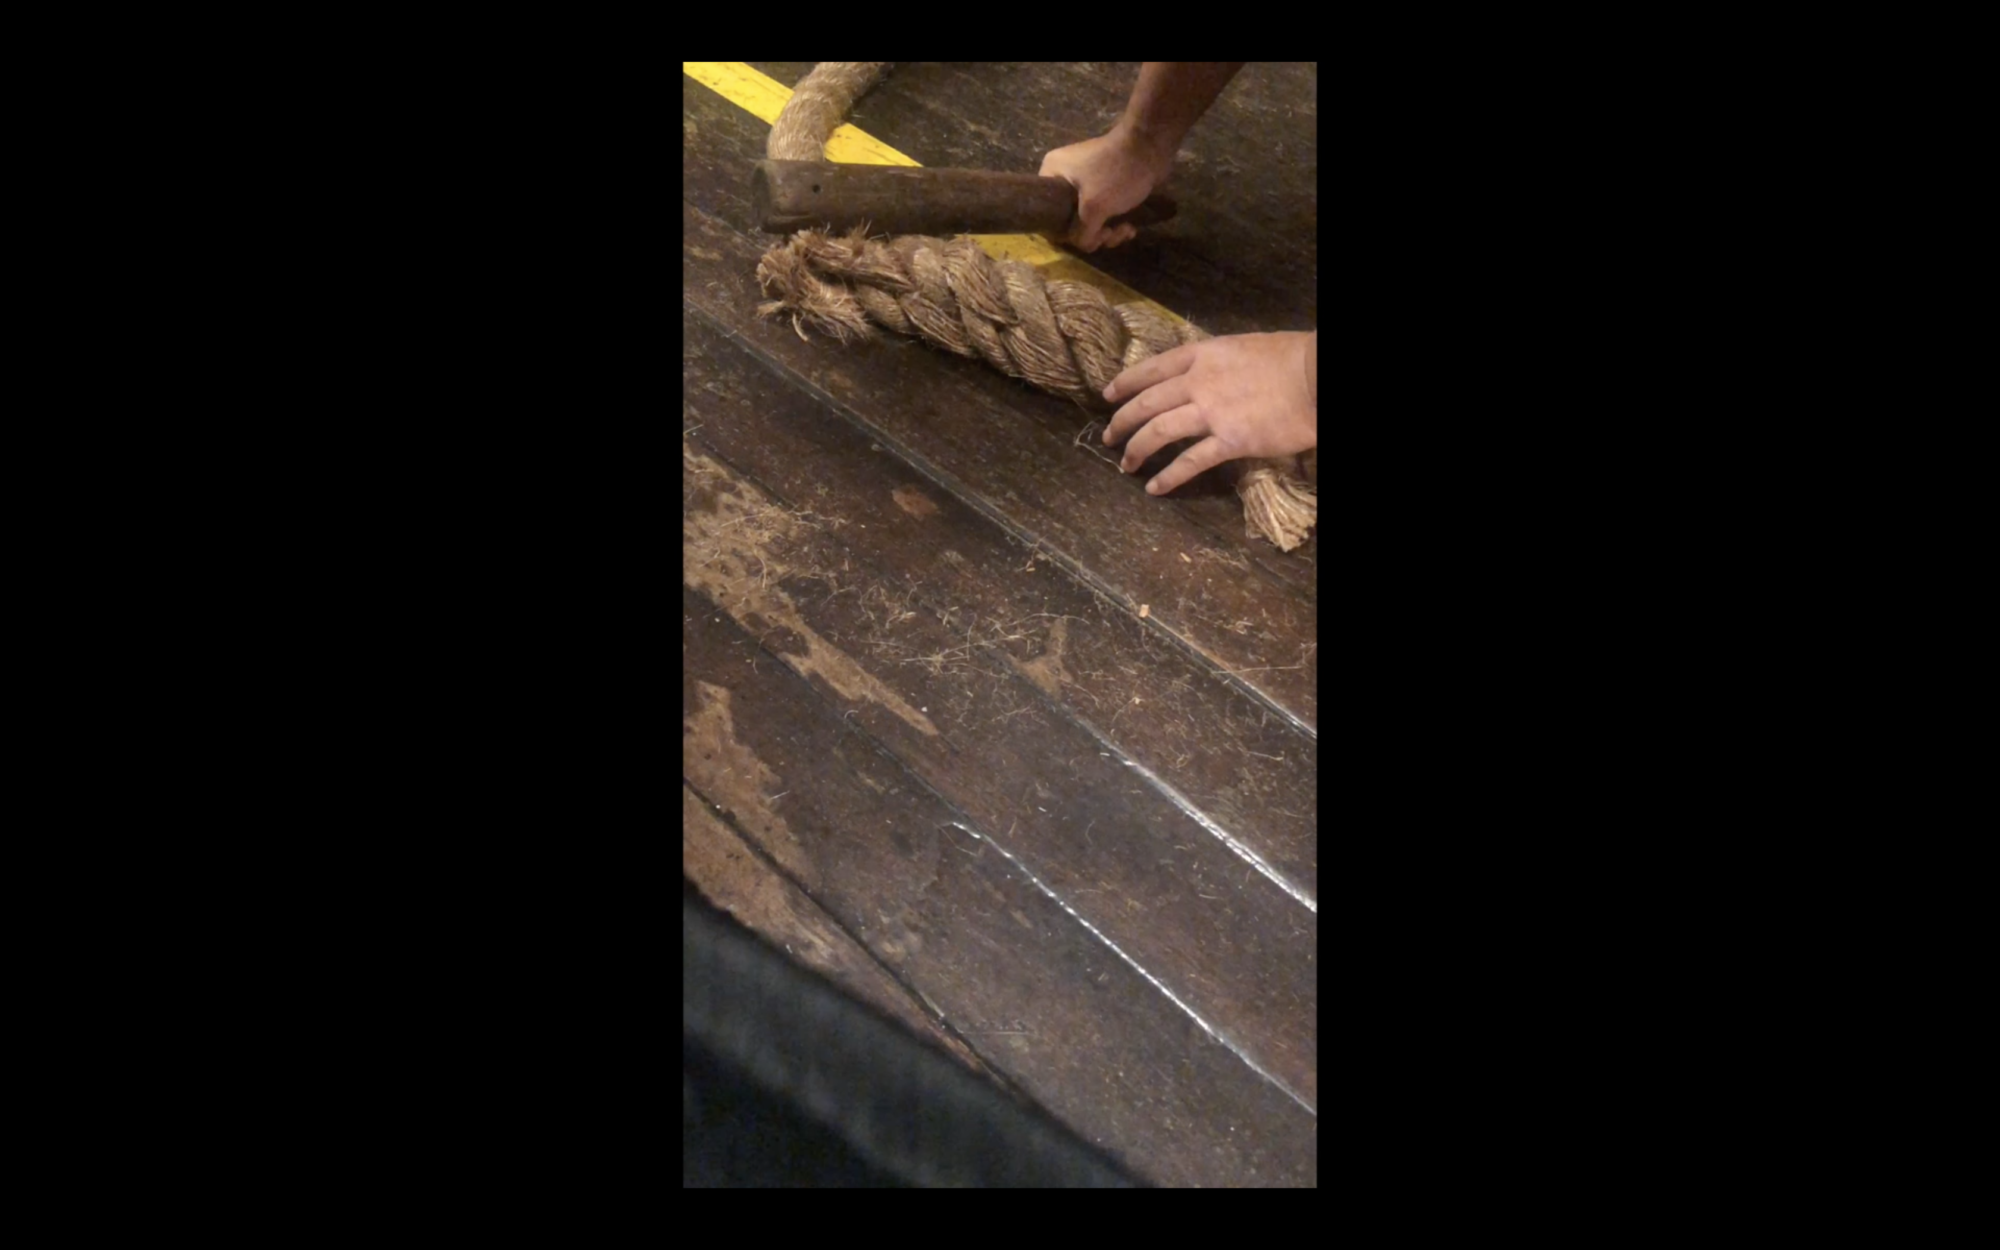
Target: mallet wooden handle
[{"x": 901, "y": 199}]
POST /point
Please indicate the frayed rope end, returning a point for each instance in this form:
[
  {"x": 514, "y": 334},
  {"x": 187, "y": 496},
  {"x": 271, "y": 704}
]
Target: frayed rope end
[
  {"x": 1279, "y": 505},
  {"x": 810, "y": 300}
]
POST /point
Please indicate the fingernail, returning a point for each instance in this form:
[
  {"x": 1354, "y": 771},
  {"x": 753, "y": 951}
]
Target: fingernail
[
  {"x": 1109, "y": 389},
  {"x": 1153, "y": 487}
]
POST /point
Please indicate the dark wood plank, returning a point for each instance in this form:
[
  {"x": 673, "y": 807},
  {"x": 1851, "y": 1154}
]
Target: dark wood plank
[
  {"x": 1247, "y": 772},
  {"x": 1224, "y": 939},
  {"x": 720, "y": 147},
  {"x": 926, "y": 888},
  {"x": 716, "y": 173},
  {"x": 741, "y": 881},
  {"x": 1013, "y": 454}
]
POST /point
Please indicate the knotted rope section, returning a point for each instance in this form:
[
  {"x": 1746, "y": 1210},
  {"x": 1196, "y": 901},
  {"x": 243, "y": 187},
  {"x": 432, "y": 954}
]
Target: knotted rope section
[{"x": 1063, "y": 337}]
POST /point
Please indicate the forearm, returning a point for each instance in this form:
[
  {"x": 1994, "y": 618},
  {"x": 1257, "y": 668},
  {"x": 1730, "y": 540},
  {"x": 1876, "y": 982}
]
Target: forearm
[{"x": 1171, "y": 97}]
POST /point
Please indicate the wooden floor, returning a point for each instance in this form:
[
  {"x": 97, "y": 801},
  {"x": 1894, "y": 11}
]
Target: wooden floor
[{"x": 1017, "y": 752}]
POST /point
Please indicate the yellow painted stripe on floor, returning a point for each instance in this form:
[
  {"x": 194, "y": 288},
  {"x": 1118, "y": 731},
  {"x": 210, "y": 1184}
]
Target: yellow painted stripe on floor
[
  {"x": 755, "y": 93},
  {"x": 764, "y": 97}
]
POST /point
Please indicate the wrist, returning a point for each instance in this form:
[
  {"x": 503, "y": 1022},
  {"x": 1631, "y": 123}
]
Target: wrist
[{"x": 1155, "y": 143}]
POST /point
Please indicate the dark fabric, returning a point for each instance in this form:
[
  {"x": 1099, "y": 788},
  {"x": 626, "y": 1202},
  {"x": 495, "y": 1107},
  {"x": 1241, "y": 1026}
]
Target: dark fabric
[{"x": 787, "y": 1081}]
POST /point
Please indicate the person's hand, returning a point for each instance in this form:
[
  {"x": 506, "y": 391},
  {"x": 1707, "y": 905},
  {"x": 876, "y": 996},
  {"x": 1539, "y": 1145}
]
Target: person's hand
[
  {"x": 1243, "y": 395},
  {"x": 1113, "y": 174}
]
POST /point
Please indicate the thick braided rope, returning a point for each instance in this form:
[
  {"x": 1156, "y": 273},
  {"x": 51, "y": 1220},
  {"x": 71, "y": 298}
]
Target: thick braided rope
[{"x": 1060, "y": 336}]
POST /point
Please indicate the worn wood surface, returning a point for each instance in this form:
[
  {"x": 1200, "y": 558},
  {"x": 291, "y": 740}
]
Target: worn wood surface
[
  {"x": 743, "y": 881},
  {"x": 1023, "y": 755},
  {"x": 937, "y": 688},
  {"x": 1038, "y": 996}
]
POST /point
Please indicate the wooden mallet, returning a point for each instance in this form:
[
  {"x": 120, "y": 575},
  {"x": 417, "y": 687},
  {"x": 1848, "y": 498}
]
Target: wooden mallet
[{"x": 899, "y": 199}]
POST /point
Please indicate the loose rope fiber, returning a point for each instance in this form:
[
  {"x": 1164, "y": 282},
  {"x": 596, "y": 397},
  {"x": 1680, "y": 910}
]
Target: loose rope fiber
[{"x": 1063, "y": 337}]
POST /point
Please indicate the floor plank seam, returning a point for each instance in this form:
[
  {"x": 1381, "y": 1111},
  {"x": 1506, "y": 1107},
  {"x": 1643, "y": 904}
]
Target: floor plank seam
[
  {"x": 915, "y": 999},
  {"x": 1173, "y": 795},
  {"x": 1221, "y": 1038}
]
